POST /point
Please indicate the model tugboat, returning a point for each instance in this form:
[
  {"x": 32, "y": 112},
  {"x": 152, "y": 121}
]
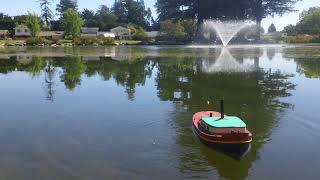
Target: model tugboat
[{"x": 216, "y": 128}]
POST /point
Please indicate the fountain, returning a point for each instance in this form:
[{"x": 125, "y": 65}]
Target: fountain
[{"x": 226, "y": 30}]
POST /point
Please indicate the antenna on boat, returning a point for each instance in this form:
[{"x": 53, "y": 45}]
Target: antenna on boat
[{"x": 222, "y": 108}]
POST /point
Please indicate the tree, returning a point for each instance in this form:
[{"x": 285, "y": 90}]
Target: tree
[
  {"x": 33, "y": 24},
  {"x": 272, "y": 28},
  {"x": 6, "y": 23},
  {"x": 190, "y": 28},
  {"x": 223, "y": 9},
  {"x": 131, "y": 11},
  {"x": 89, "y": 17},
  {"x": 20, "y": 19},
  {"x": 309, "y": 22},
  {"x": 172, "y": 31},
  {"x": 72, "y": 23},
  {"x": 105, "y": 18},
  {"x": 120, "y": 10},
  {"x": 290, "y": 30},
  {"x": 263, "y": 8},
  {"x": 64, "y": 5},
  {"x": 46, "y": 12},
  {"x": 138, "y": 32}
]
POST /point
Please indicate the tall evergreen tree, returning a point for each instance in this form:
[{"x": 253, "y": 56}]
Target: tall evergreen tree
[
  {"x": 272, "y": 28},
  {"x": 131, "y": 11},
  {"x": 46, "y": 13},
  {"x": 64, "y": 5},
  {"x": 105, "y": 18}
]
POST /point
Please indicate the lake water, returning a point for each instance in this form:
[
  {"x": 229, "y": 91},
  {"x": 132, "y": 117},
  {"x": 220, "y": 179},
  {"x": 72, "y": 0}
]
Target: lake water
[{"x": 125, "y": 112}]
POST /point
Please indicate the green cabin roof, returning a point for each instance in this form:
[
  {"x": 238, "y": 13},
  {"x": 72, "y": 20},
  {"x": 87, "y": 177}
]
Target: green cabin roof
[{"x": 227, "y": 122}]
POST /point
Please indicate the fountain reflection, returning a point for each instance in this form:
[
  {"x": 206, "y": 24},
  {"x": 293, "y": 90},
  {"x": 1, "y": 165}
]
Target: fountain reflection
[{"x": 226, "y": 63}]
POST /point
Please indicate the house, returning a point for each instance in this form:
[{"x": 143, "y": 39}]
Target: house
[
  {"x": 51, "y": 34},
  {"x": 153, "y": 34},
  {"x": 121, "y": 33},
  {"x": 22, "y": 32},
  {"x": 89, "y": 31},
  {"x": 106, "y": 35},
  {"x": 4, "y": 34}
]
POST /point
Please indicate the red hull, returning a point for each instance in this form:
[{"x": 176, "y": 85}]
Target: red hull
[{"x": 219, "y": 138}]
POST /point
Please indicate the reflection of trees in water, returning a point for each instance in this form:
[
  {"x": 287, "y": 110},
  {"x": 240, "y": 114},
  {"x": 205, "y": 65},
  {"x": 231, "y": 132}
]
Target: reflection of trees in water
[
  {"x": 252, "y": 96},
  {"x": 8, "y": 65},
  {"x": 34, "y": 67},
  {"x": 310, "y": 67},
  {"x": 271, "y": 52},
  {"x": 127, "y": 74},
  {"x": 73, "y": 67}
]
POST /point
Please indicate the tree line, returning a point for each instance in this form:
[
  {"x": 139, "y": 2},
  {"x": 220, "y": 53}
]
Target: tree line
[
  {"x": 200, "y": 10},
  {"x": 122, "y": 12},
  {"x": 173, "y": 15}
]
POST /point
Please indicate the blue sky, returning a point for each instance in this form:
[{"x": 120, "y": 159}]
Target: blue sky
[{"x": 16, "y": 7}]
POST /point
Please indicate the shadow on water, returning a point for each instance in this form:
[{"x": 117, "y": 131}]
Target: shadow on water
[{"x": 183, "y": 77}]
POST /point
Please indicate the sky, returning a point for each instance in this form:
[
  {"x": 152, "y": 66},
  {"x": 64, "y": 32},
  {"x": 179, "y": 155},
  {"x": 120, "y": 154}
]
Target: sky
[{"x": 18, "y": 7}]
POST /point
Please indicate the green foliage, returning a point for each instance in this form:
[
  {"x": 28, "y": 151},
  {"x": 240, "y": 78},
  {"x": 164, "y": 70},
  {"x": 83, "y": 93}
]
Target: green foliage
[
  {"x": 33, "y": 24},
  {"x": 309, "y": 67},
  {"x": 107, "y": 41},
  {"x": 302, "y": 39},
  {"x": 35, "y": 67},
  {"x": 190, "y": 28},
  {"x": 6, "y": 23},
  {"x": 172, "y": 31},
  {"x": 105, "y": 18},
  {"x": 222, "y": 9},
  {"x": 89, "y": 17},
  {"x": 46, "y": 12},
  {"x": 290, "y": 30},
  {"x": 64, "y": 5},
  {"x": 309, "y": 23},
  {"x": 138, "y": 33},
  {"x": 85, "y": 41},
  {"x": 21, "y": 19},
  {"x": 72, "y": 23},
  {"x": 93, "y": 41},
  {"x": 130, "y": 11},
  {"x": 272, "y": 28},
  {"x": 73, "y": 68},
  {"x": 34, "y": 41}
]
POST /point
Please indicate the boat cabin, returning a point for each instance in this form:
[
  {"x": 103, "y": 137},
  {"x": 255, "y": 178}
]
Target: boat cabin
[{"x": 228, "y": 124}]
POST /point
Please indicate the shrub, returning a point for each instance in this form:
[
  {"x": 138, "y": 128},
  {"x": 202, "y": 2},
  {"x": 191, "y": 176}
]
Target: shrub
[
  {"x": 140, "y": 35},
  {"x": 301, "y": 39},
  {"x": 85, "y": 41},
  {"x": 34, "y": 41},
  {"x": 107, "y": 41},
  {"x": 55, "y": 40}
]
